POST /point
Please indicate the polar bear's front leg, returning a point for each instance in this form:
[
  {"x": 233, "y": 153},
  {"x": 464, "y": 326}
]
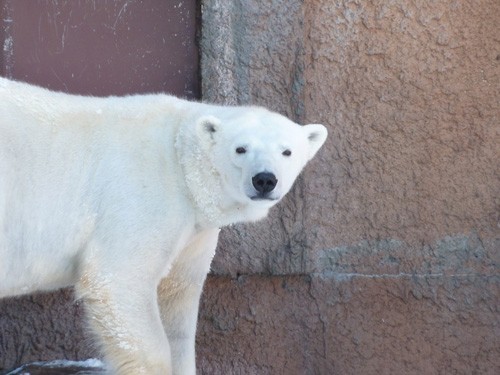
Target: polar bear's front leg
[
  {"x": 179, "y": 296},
  {"x": 126, "y": 319}
]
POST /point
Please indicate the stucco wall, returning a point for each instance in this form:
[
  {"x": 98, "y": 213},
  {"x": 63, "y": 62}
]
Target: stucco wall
[{"x": 385, "y": 256}]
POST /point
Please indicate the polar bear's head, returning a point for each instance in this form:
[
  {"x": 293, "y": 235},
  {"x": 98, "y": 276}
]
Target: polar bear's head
[{"x": 258, "y": 154}]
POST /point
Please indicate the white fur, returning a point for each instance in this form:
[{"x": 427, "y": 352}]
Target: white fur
[{"x": 123, "y": 197}]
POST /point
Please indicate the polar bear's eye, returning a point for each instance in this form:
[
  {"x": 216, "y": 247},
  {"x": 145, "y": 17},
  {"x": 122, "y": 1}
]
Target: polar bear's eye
[
  {"x": 241, "y": 150},
  {"x": 287, "y": 153}
]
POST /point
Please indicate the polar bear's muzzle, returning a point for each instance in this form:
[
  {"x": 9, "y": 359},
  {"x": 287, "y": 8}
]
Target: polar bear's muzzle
[{"x": 264, "y": 183}]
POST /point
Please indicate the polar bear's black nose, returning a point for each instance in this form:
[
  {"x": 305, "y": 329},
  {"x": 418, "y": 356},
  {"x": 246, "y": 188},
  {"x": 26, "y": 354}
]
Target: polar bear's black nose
[{"x": 264, "y": 182}]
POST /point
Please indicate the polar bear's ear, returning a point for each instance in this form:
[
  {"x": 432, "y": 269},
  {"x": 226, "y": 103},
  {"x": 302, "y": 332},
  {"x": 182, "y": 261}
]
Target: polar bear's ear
[
  {"x": 206, "y": 127},
  {"x": 316, "y": 135}
]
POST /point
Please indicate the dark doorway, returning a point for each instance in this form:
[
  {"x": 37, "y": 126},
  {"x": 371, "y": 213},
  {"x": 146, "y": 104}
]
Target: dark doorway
[{"x": 107, "y": 47}]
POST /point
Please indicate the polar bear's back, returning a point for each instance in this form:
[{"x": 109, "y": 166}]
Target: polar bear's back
[{"x": 50, "y": 107}]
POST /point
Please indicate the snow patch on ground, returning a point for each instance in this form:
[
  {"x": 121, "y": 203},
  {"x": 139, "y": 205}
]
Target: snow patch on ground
[{"x": 78, "y": 366}]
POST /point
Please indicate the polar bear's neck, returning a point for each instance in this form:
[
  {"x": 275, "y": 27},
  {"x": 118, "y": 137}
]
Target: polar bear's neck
[{"x": 204, "y": 185}]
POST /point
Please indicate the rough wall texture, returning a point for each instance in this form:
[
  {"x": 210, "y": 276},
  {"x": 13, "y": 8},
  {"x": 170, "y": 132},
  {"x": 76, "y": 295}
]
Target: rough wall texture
[
  {"x": 392, "y": 233},
  {"x": 42, "y": 327},
  {"x": 410, "y": 91},
  {"x": 362, "y": 325}
]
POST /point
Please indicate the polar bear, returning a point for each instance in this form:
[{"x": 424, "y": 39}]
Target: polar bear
[{"x": 123, "y": 198}]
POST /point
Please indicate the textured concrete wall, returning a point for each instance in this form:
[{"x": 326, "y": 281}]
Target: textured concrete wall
[
  {"x": 42, "y": 327},
  {"x": 385, "y": 256}
]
